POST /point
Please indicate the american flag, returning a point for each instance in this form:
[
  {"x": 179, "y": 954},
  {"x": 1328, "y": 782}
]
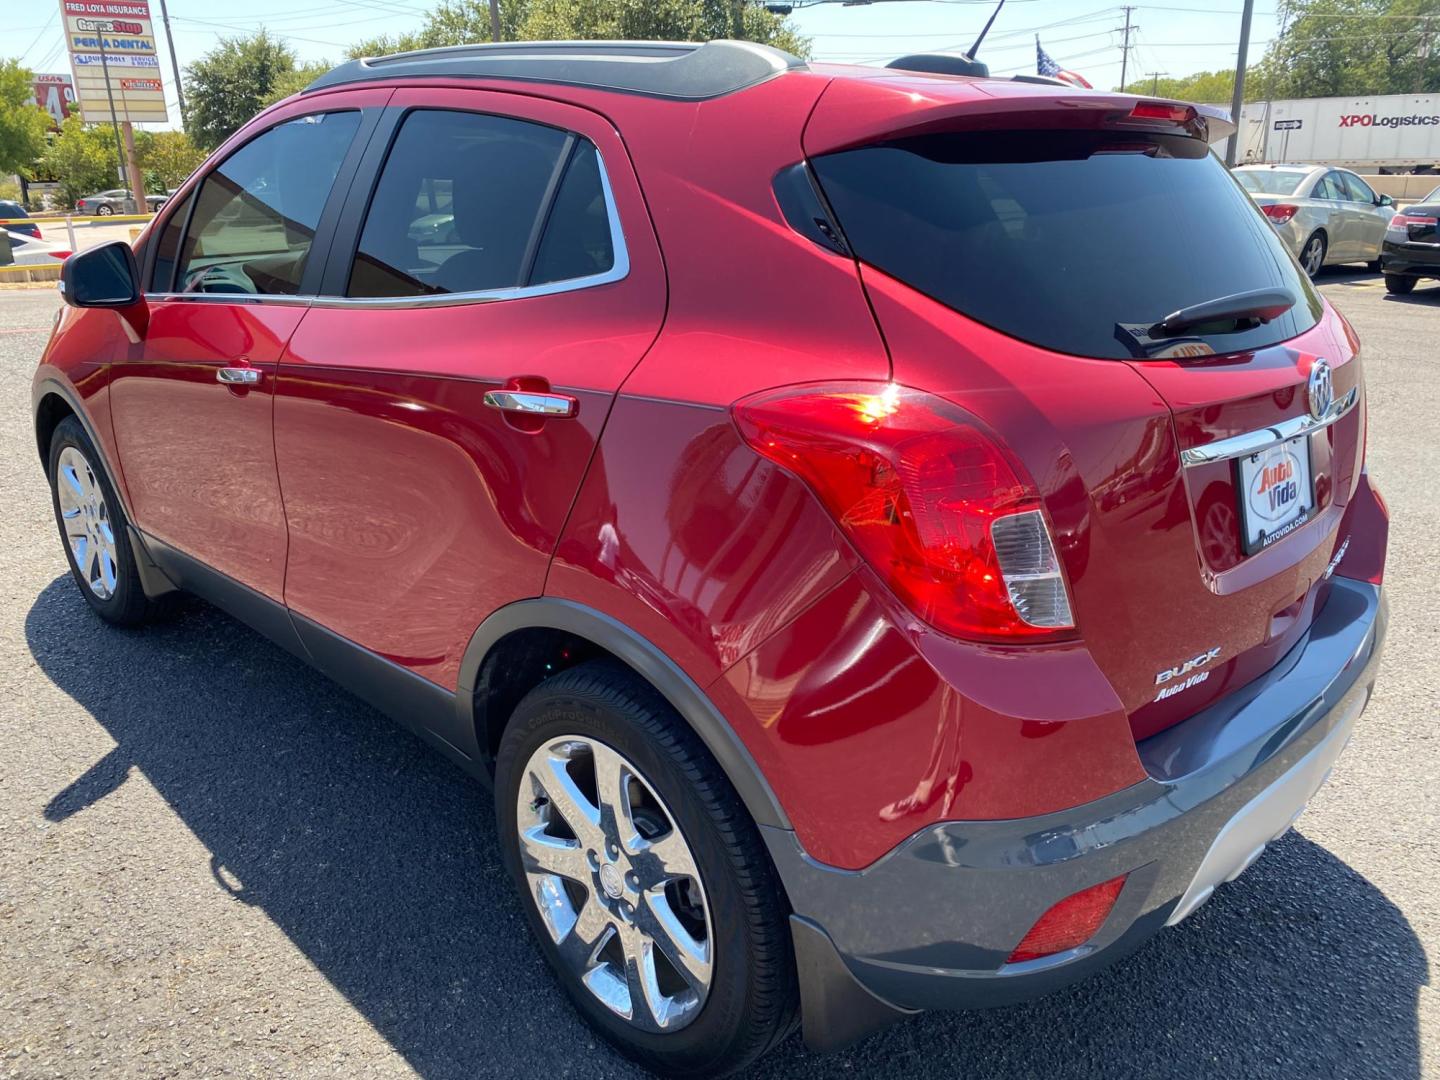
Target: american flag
[{"x": 1045, "y": 65}]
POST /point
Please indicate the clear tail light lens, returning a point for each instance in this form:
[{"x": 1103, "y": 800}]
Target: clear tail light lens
[
  {"x": 1280, "y": 212},
  {"x": 929, "y": 499}
]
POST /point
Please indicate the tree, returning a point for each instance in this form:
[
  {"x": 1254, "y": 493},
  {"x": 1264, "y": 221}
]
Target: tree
[
  {"x": 295, "y": 80},
  {"x": 80, "y": 159},
  {"x": 461, "y": 22},
  {"x": 231, "y": 83},
  {"x": 166, "y": 158},
  {"x": 22, "y": 126}
]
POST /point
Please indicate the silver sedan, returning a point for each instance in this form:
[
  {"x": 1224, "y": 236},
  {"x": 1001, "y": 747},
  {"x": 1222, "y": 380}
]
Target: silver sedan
[{"x": 1325, "y": 215}]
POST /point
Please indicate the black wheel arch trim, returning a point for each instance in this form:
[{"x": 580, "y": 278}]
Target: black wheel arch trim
[
  {"x": 51, "y": 385},
  {"x": 649, "y": 661}
]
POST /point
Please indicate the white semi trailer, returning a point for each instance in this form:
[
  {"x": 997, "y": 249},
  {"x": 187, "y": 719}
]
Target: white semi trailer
[{"x": 1390, "y": 133}]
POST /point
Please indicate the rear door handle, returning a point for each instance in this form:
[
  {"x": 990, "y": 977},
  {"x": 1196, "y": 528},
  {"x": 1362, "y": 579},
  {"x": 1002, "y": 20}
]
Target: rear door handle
[
  {"x": 532, "y": 403},
  {"x": 238, "y": 376}
]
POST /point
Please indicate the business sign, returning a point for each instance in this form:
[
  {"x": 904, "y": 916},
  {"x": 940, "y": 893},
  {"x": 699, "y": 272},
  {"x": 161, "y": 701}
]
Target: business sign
[
  {"x": 55, "y": 94},
  {"x": 118, "y": 38}
]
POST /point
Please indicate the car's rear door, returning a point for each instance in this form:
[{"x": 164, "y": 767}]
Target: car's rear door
[
  {"x": 1371, "y": 219},
  {"x": 495, "y": 283},
  {"x": 229, "y": 273}
]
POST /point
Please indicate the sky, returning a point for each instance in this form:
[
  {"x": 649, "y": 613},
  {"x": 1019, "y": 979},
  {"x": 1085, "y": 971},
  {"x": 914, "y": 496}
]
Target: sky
[{"x": 1172, "y": 37}]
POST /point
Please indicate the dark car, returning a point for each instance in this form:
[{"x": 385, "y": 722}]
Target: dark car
[
  {"x": 876, "y": 569},
  {"x": 16, "y": 218},
  {"x": 1412, "y": 245}
]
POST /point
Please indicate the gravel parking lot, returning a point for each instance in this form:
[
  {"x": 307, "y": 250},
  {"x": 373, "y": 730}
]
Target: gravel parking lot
[{"x": 215, "y": 862}]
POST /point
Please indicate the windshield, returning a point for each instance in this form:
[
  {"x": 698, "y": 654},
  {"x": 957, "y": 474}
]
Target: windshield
[
  {"x": 1269, "y": 181},
  {"x": 1434, "y": 196},
  {"x": 1067, "y": 239}
]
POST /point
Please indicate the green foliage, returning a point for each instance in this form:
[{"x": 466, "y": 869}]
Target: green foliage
[
  {"x": 461, "y": 22},
  {"x": 295, "y": 80},
  {"x": 22, "y": 126},
  {"x": 1331, "y": 48},
  {"x": 231, "y": 83},
  {"x": 80, "y": 159},
  {"x": 166, "y": 158}
]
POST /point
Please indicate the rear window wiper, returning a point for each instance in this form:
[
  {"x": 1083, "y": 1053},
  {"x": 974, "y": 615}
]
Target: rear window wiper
[{"x": 1225, "y": 315}]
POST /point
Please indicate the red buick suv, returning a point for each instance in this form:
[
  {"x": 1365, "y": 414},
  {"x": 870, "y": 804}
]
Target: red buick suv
[{"x": 892, "y": 540}]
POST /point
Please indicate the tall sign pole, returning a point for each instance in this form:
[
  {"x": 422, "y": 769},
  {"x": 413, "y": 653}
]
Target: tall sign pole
[
  {"x": 110, "y": 93},
  {"x": 175, "y": 63},
  {"x": 1237, "y": 101}
]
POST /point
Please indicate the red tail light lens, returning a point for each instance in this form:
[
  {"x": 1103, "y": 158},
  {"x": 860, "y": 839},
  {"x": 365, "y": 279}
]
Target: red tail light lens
[
  {"x": 929, "y": 499},
  {"x": 1280, "y": 212},
  {"x": 1401, "y": 220},
  {"x": 61, "y": 255},
  {"x": 1159, "y": 110},
  {"x": 1071, "y": 922}
]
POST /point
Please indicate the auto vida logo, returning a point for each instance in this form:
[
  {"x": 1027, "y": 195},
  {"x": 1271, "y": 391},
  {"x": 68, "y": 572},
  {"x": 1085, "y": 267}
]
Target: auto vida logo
[
  {"x": 1371, "y": 120},
  {"x": 1181, "y": 671},
  {"x": 1320, "y": 389}
]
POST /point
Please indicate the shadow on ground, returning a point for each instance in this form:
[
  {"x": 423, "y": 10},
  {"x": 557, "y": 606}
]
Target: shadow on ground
[{"x": 378, "y": 859}]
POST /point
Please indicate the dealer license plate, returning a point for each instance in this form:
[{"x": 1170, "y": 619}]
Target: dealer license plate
[{"x": 1276, "y": 495}]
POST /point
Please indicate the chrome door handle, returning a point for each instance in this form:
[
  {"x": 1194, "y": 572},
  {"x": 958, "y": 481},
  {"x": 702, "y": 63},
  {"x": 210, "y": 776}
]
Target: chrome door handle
[
  {"x": 238, "y": 376},
  {"x": 532, "y": 403}
]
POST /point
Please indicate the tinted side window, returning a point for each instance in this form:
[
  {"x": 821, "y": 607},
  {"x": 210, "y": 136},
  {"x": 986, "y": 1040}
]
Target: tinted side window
[
  {"x": 461, "y": 203},
  {"x": 1049, "y": 236},
  {"x": 577, "y": 240},
  {"x": 167, "y": 247},
  {"x": 1328, "y": 188},
  {"x": 256, "y": 213}
]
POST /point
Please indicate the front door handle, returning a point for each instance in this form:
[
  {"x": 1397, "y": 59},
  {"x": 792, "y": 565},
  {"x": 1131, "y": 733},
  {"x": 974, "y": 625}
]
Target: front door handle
[
  {"x": 532, "y": 403},
  {"x": 238, "y": 376}
]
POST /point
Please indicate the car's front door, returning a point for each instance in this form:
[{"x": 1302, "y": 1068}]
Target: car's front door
[
  {"x": 192, "y": 397},
  {"x": 1371, "y": 219},
  {"x": 437, "y": 409}
]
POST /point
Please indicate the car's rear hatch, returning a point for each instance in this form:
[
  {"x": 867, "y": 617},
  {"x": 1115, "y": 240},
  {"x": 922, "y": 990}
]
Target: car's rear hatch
[{"x": 1021, "y": 247}]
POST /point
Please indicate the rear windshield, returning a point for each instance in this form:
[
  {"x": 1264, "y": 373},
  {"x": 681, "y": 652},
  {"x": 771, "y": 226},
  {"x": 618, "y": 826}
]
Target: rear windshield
[
  {"x": 1270, "y": 181},
  {"x": 12, "y": 210},
  {"x": 1065, "y": 238}
]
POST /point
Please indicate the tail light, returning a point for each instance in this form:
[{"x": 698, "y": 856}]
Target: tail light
[
  {"x": 1070, "y": 923},
  {"x": 1280, "y": 212},
  {"x": 61, "y": 255},
  {"x": 1160, "y": 110},
  {"x": 928, "y": 497}
]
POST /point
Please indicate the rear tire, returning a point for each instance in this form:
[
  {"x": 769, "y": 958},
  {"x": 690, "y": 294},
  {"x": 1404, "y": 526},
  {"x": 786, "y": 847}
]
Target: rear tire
[
  {"x": 1399, "y": 284},
  {"x": 105, "y": 210},
  {"x": 93, "y": 528},
  {"x": 1312, "y": 254},
  {"x": 597, "y": 722}
]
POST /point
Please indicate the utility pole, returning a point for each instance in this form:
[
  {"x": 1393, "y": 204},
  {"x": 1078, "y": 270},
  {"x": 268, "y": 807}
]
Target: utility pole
[
  {"x": 1237, "y": 101},
  {"x": 174, "y": 62},
  {"x": 494, "y": 20},
  {"x": 1125, "y": 48},
  {"x": 1155, "y": 81},
  {"x": 104, "y": 28}
]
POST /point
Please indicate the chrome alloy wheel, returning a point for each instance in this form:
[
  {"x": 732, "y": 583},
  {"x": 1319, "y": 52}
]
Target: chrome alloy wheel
[
  {"x": 1314, "y": 256},
  {"x": 616, "y": 884},
  {"x": 85, "y": 517}
]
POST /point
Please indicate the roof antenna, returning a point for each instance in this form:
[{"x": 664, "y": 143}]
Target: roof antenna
[
  {"x": 974, "y": 50},
  {"x": 951, "y": 63}
]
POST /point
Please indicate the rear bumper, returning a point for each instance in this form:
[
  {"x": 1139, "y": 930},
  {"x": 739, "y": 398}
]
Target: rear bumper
[
  {"x": 932, "y": 924},
  {"x": 1421, "y": 260}
]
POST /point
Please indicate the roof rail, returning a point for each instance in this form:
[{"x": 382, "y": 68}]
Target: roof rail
[{"x": 679, "y": 70}]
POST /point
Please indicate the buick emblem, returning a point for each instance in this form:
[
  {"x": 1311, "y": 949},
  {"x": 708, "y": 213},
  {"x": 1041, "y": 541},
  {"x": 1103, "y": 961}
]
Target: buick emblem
[{"x": 1321, "y": 392}]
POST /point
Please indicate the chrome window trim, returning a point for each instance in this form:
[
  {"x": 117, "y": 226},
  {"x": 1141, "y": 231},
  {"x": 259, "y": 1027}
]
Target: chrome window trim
[
  {"x": 1252, "y": 442},
  {"x": 619, "y": 270}
]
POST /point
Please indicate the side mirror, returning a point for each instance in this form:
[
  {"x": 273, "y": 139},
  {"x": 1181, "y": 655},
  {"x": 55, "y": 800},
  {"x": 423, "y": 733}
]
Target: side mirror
[
  {"x": 103, "y": 277},
  {"x": 1385, "y": 200}
]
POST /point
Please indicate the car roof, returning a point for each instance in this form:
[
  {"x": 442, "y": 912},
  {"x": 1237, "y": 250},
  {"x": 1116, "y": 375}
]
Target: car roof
[{"x": 679, "y": 70}]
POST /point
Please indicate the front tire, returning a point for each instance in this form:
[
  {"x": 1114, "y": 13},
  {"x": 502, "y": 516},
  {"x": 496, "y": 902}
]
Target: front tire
[
  {"x": 1399, "y": 284},
  {"x": 92, "y": 528},
  {"x": 642, "y": 875},
  {"x": 1312, "y": 255}
]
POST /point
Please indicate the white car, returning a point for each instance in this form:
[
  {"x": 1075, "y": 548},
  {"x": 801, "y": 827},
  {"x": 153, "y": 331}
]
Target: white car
[{"x": 27, "y": 251}]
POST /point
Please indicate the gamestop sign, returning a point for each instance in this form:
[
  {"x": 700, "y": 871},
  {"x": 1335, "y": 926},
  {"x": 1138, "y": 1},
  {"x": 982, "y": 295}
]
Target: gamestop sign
[
  {"x": 1373, "y": 120},
  {"x": 112, "y": 54}
]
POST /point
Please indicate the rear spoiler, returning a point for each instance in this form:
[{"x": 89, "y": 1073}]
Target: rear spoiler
[{"x": 1217, "y": 121}]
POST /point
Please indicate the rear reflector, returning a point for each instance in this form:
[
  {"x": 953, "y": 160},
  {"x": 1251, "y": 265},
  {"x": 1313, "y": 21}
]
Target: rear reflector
[
  {"x": 930, "y": 499},
  {"x": 1070, "y": 923},
  {"x": 1280, "y": 212}
]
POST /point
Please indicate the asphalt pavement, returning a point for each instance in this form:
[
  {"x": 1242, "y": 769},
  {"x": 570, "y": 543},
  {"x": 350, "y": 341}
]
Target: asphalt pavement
[{"x": 215, "y": 862}]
